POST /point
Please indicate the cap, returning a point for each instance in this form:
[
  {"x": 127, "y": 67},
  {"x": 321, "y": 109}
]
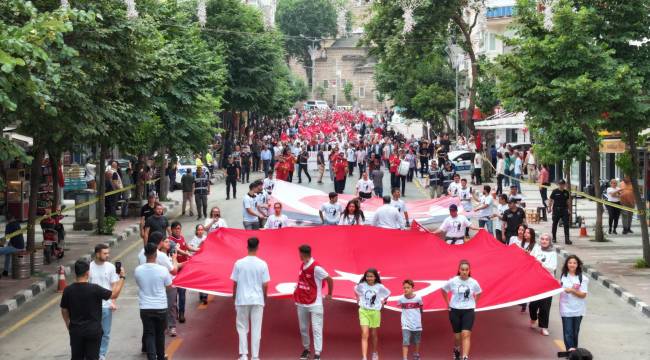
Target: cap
[
  {"x": 561, "y": 182},
  {"x": 453, "y": 207},
  {"x": 513, "y": 201}
]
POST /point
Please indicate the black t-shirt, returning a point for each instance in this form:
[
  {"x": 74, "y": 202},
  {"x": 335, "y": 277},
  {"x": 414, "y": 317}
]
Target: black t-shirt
[
  {"x": 513, "y": 220},
  {"x": 157, "y": 223},
  {"x": 146, "y": 211},
  {"x": 231, "y": 169},
  {"x": 84, "y": 302},
  {"x": 245, "y": 159},
  {"x": 560, "y": 199}
]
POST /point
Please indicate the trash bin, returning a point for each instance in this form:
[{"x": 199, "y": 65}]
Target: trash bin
[
  {"x": 20, "y": 265},
  {"x": 37, "y": 261}
]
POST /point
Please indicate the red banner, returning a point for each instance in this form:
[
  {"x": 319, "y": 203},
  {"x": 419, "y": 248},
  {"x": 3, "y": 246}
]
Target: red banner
[{"x": 507, "y": 275}]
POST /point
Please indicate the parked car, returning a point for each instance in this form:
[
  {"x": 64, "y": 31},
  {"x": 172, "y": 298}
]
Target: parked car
[
  {"x": 316, "y": 105},
  {"x": 462, "y": 160},
  {"x": 185, "y": 163}
]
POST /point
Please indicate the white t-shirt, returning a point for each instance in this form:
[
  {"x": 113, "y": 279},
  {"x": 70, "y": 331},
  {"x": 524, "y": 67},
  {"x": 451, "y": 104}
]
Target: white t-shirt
[
  {"x": 453, "y": 189},
  {"x": 371, "y": 297},
  {"x": 250, "y": 273},
  {"x": 454, "y": 227},
  {"x": 465, "y": 196},
  {"x": 547, "y": 258},
  {"x": 399, "y": 204},
  {"x": 197, "y": 241},
  {"x": 350, "y": 220},
  {"x": 268, "y": 185},
  {"x": 351, "y": 155},
  {"x": 331, "y": 212},
  {"x": 161, "y": 259},
  {"x": 277, "y": 222},
  {"x": 214, "y": 226},
  {"x": 514, "y": 240},
  {"x": 501, "y": 208},
  {"x": 411, "y": 314},
  {"x": 486, "y": 213},
  {"x": 250, "y": 202},
  {"x": 262, "y": 202},
  {"x": 152, "y": 280},
  {"x": 365, "y": 186},
  {"x": 611, "y": 194},
  {"x": 478, "y": 161},
  {"x": 388, "y": 217},
  {"x": 571, "y": 305},
  {"x": 105, "y": 276},
  {"x": 462, "y": 292},
  {"x": 320, "y": 274}
]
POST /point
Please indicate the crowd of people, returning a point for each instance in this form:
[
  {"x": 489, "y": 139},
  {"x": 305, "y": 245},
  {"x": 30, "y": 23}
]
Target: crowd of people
[{"x": 353, "y": 144}]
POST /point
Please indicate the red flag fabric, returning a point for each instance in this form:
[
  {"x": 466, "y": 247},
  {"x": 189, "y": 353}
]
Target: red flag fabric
[{"x": 507, "y": 274}]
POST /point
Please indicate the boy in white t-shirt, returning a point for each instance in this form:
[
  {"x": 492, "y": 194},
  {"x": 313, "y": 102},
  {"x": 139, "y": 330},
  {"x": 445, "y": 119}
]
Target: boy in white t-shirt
[
  {"x": 411, "y": 305},
  {"x": 454, "y": 227}
]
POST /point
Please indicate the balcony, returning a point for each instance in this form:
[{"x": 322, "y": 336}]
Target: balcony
[{"x": 501, "y": 12}]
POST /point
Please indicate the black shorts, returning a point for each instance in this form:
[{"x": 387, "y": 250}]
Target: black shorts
[
  {"x": 461, "y": 319},
  {"x": 365, "y": 195}
]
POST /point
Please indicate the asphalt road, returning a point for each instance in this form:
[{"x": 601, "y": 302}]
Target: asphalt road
[{"x": 611, "y": 329}]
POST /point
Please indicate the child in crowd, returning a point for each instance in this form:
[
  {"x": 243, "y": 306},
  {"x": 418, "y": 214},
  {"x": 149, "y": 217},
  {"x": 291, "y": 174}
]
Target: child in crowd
[
  {"x": 372, "y": 296},
  {"x": 411, "y": 304}
]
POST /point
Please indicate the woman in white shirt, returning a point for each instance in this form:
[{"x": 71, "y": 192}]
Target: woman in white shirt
[
  {"x": 517, "y": 240},
  {"x": 528, "y": 245},
  {"x": 365, "y": 187},
  {"x": 215, "y": 221},
  {"x": 277, "y": 220},
  {"x": 461, "y": 294},
  {"x": 572, "y": 301},
  {"x": 540, "y": 309},
  {"x": 614, "y": 196},
  {"x": 195, "y": 243},
  {"x": 352, "y": 215},
  {"x": 501, "y": 208}
]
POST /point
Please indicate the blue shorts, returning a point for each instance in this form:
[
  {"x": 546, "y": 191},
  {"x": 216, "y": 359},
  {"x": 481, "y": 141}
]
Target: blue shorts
[{"x": 410, "y": 337}]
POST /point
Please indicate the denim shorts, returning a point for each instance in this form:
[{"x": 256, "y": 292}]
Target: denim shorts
[{"x": 410, "y": 337}]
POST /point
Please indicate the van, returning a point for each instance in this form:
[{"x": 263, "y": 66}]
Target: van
[{"x": 316, "y": 105}]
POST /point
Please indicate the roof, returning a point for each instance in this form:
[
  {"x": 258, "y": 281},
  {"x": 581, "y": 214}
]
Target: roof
[
  {"x": 347, "y": 42},
  {"x": 502, "y": 121}
]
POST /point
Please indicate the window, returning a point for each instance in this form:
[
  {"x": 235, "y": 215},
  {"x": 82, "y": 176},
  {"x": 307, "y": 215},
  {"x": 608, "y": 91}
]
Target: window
[
  {"x": 491, "y": 43},
  {"x": 362, "y": 92},
  {"x": 325, "y": 84},
  {"x": 511, "y": 135}
]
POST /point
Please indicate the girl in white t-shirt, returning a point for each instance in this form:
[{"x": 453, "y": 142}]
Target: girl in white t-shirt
[
  {"x": 517, "y": 240},
  {"x": 195, "y": 243},
  {"x": 352, "y": 215},
  {"x": 529, "y": 245},
  {"x": 372, "y": 297},
  {"x": 540, "y": 309},
  {"x": 572, "y": 301},
  {"x": 461, "y": 293}
]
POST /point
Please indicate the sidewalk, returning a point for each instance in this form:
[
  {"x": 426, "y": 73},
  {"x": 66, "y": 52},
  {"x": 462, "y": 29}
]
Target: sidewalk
[
  {"x": 610, "y": 263},
  {"x": 79, "y": 244}
]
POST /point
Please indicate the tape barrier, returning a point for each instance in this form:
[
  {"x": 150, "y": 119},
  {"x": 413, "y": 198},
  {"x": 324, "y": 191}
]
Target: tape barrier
[
  {"x": 77, "y": 206},
  {"x": 583, "y": 194}
]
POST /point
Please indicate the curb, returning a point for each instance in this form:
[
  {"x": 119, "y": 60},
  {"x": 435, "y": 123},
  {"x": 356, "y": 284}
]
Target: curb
[
  {"x": 616, "y": 289},
  {"x": 39, "y": 287}
]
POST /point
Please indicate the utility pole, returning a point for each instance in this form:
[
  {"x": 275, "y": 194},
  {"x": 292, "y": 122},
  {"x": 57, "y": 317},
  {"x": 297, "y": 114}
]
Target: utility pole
[
  {"x": 338, "y": 83},
  {"x": 313, "y": 54}
]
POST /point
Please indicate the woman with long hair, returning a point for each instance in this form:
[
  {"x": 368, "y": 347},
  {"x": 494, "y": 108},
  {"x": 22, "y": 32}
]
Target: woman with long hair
[
  {"x": 215, "y": 221},
  {"x": 572, "y": 300},
  {"x": 541, "y": 309},
  {"x": 372, "y": 297},
  {"x": 352, "y": 215},
  {"x": 519, "y": 239},
  {"x": 465, "y": 293}
]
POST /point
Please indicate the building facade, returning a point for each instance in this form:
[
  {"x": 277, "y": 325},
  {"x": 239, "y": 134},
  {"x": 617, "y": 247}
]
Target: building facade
[{"x": 267, "y": 7}]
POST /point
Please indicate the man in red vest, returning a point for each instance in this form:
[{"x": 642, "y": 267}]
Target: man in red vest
[{"x": 309, "y": 301}]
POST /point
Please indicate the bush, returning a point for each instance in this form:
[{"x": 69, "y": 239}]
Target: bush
[
  {"x": 109, "y": 226},
  {"x": 640, "y": 264}
]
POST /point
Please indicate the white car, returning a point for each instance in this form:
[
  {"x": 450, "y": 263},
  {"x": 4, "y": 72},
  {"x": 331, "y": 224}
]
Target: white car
[
  {"x": 316, "y": 105},
  {"x": 462, "y": 160},
  {"x": 185, "y": 163}
]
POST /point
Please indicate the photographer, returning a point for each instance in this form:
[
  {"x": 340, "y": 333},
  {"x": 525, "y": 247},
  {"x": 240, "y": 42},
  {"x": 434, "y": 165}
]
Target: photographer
[{"x": 81, "y": 309}]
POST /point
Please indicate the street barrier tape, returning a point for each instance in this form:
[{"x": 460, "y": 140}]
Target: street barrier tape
[
  {"x": 583, "y": 194},
  {"x": 83, "y": 204}
]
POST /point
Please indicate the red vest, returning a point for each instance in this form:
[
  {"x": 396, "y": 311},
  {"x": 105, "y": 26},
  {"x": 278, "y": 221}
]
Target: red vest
[{"x": 306, "y": 290}]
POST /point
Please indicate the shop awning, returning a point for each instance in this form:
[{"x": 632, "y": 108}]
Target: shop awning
[{"x": 502, "y": 121}]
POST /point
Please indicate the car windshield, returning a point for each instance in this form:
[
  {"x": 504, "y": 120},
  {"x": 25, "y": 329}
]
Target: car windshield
[{"x": 185, "y": 161}]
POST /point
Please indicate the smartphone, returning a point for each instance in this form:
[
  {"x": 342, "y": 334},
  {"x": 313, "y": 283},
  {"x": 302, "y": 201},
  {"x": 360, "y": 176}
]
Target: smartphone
[{"x": 118, "y": 267}]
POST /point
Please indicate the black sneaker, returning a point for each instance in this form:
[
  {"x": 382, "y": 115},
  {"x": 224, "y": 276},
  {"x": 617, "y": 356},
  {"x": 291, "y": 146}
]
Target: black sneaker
[
  {"x": 569, "y": 242},
  {"x": 304, "y": 355},
  {"x": 456, "y": 354},
  {"x": 317, "y": 357}
]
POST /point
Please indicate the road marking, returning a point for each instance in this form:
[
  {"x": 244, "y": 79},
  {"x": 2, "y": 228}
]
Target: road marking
[
  {"x": 560, "y": 344},
  {"x": 172, "y": 347},
  {"x": 417, "y": 185},
  {"x": 29, "y": 317},
  {"x": 205, "y": 306},
  {"x": 55, "y": 300}
]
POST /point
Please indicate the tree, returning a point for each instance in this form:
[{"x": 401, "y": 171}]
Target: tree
[
  {"x": 305, "y": 23},
  {"x": 486, "y": 87},
  {"x": 625, "y": 28},
  {"x": 347, "y": 92},
  {"x": 562, "y": 76}
]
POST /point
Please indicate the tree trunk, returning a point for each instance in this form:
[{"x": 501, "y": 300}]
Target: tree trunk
[
  {"x": 164, "y": 179},
  {"x": 594, "y": 162},
  {"x": 34, "y": 184},
  {"x": 566, "y": 167},
  {"x": 466, "y": 30},
  {"x": 101, "y": 186},
  {"x": 640, "y": 203},
  {"x": 55, "y": 162},
  {"x": 309, "y": 71}
]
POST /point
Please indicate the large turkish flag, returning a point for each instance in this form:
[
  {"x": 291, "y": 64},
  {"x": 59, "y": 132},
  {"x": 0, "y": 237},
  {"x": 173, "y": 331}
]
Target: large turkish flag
[{"x": 506, "y": 274}]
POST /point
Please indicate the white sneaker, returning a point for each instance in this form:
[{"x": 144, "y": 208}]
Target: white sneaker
[
  {"x": 545, "y": 332},
  {"x": 375, "y": 356}
]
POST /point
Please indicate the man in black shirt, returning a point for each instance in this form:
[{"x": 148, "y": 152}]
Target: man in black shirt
[
  {"x": 511, "y": 219},
  {"x": 81, "y": 309},
  {"x": 303, "y": 159},
  {"x": 232, "y": 175},
  {"x": 146, "y": 212},
  {"x": 560, "y": 203},
  {"x": 156, "y": 222},
  {"x": 246, "y": 163}
]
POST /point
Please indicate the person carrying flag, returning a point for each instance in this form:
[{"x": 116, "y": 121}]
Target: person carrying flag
[{"x": 454, "y": 227}]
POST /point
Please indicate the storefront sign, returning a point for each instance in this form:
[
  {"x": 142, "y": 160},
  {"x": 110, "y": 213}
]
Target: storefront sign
[{"x": 612, "y": 146}]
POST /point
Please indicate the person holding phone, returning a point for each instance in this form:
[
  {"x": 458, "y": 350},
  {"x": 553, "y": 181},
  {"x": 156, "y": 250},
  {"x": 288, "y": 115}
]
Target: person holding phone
[{"x": 106, "y": 275}]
